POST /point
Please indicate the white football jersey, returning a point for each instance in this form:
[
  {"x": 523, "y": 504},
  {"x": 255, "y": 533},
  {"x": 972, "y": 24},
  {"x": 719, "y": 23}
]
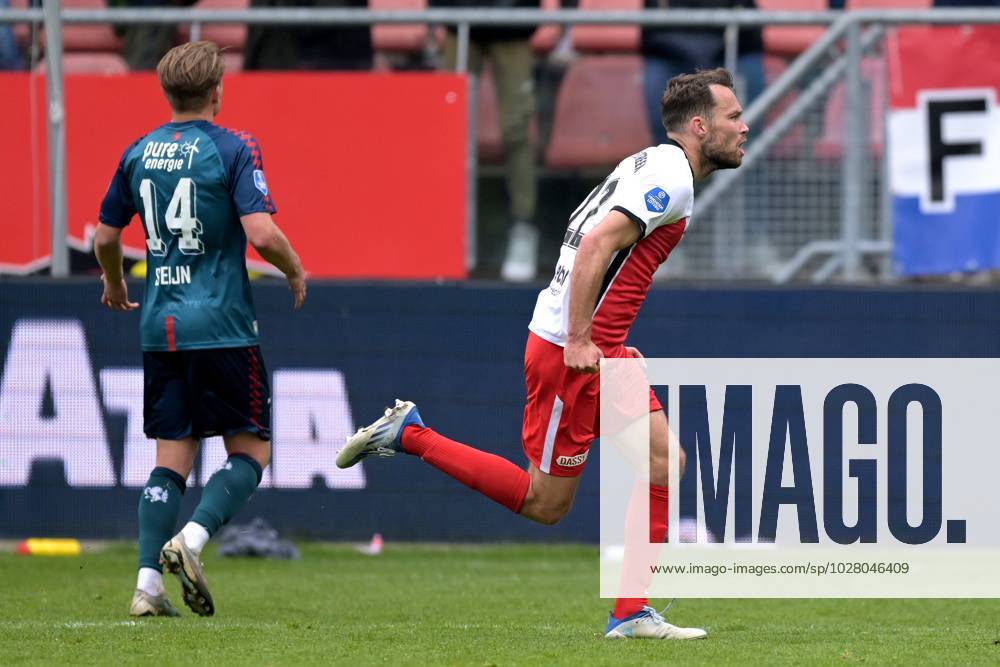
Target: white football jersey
[{"x": 655, "y": 189}]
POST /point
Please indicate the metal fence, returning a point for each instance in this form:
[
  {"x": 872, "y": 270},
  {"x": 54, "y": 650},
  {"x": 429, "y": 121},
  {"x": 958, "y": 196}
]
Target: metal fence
[{"x": 810, "y": 202}]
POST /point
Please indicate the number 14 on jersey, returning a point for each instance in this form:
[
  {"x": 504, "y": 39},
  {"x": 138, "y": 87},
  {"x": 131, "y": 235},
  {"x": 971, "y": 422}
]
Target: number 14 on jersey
[{"x": 181, "y": 218}]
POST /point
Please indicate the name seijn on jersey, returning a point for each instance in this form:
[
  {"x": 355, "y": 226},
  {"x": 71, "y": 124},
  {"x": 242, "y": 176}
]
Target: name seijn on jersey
[{"x": 172, "y": 275}]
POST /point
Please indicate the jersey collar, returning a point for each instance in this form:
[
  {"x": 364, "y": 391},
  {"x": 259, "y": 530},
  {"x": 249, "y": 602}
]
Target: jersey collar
[{"x": 671, "y": 142}]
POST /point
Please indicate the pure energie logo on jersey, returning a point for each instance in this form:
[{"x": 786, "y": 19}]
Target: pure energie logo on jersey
[{"x": 169, "y": 156}]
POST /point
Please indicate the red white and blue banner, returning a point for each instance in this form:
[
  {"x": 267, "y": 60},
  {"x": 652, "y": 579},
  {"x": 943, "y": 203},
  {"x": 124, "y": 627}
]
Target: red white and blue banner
[{"x": 944, "y": 148}]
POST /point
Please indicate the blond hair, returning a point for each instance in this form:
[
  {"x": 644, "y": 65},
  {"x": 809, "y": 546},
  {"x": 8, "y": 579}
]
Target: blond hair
[{"x": 189, "y": 73}]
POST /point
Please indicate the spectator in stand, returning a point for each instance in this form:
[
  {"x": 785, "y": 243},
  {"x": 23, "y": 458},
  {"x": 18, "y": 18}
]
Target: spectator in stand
[
  {"x": 669, "y": 51},
  {"x": 10, "y": 56},
  {"x": 313, "y": 48},
  {"x": 144, "y": 44},
  {"x": 508, "y": 49}
]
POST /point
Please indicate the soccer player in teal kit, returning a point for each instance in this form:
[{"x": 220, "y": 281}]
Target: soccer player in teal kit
[{"x": 201, "y": 195}]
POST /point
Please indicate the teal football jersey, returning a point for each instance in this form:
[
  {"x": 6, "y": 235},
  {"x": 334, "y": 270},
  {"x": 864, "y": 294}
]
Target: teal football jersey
[{"x": 189, "y": 183}]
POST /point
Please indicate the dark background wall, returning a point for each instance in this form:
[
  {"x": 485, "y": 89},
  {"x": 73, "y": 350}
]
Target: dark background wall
[{"x": 457, "y": 350}]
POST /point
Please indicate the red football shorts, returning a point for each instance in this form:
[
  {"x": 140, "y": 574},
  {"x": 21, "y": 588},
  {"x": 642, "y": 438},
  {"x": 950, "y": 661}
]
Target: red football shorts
[{"x": 563, "y": 413}]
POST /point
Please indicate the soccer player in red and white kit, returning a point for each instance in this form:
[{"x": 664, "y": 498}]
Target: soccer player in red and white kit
[{"x": 615, "y": 241}]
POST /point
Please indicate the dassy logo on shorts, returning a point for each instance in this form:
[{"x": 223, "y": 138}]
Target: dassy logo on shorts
[
  {"x": 657, "y": 200},
  {"x": 572, "y": 461}
]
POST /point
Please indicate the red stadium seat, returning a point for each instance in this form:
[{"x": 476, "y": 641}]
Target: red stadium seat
[
  {"x": 789, "y": 41},
  {"x": 789, "y": 146},
  {"x": 888, "y": 4},
  {"x": 22, "y": 31},
  {"x": 607, "y": 38},
  {"x": 90, "y": 63},
  {"x": 830, "y": 146},
  {"x": 94, "y": 37},
  {"x": 600, "y": 116},
  {"x": 233, "y": 36},
  {"x": 76, "y": 37},
  {"x": 409, "y": 38},
  {"x": 546, "y": 36},
  {"x": 233, "y": 60}
]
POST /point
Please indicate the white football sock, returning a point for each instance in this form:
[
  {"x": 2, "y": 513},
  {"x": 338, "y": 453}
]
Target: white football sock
[
  {"x": 195, "y": 536},
  {"x": 150, "y": 581}
]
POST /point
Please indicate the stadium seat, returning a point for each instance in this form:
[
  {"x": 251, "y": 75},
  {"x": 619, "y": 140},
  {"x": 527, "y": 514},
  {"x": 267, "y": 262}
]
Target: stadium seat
[
  {"x": 233, "y": 60},
  {"x": 396, "y": 38},
  {"x": 607, "y": 38},
  {"x": 790, "y": 145},
  {"x": 600, "y": 115},
  {"x": 888, "y": 4},
  {"x": 546, "y": 36},
  {"x": 232, "y": 36},
  {"x": 22, "y": 31},
  {"x": 830, "y": 146},
  {"x": 76, "y": 37},
  {"x": 90, "y": 63},
  {"x": 789, "y": 41},
  {"x": 91, "y": 37}
]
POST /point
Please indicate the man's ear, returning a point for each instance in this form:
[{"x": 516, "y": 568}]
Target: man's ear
[{"x": 698, "y": 127}]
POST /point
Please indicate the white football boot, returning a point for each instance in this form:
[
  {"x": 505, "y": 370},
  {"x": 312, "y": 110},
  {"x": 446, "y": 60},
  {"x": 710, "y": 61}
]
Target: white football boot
[{"x": 648, "y": 624}]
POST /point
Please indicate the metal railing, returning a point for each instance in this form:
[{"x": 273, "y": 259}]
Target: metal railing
[{"x": 860, "y": 29}]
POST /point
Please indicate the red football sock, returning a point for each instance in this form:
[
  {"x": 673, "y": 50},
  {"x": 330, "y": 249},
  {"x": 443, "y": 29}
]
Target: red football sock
[
  {"x": 638, "y": 555},
  {"x": 496, "y": 478}
]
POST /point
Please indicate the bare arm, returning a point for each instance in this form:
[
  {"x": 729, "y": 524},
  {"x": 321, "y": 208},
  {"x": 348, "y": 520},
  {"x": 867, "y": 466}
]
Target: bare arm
[
  {"x": 615, "y": 232},
  {"x": 108, "y": 250},
  {"x": 268, "y": 239}
]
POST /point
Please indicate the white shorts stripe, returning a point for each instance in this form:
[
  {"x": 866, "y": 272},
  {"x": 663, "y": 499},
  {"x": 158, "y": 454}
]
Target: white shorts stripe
[{"x": 550, "y": 435}]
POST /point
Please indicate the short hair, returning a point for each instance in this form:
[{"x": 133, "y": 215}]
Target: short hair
[
  {"x": 189, "y": 73},
  {"x": 690, "y": 95}
]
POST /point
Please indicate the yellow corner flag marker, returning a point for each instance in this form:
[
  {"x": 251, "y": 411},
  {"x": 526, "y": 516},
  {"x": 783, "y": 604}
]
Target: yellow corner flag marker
[{"x": 41, "y": 546}]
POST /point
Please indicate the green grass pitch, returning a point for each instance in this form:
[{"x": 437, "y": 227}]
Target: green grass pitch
[{"x": 424, "y": 605}]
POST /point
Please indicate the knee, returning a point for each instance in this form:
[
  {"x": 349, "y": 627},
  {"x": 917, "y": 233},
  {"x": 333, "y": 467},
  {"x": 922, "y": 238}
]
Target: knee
[
  {"x": 259, "y": 451},
  {"x": 550, "y": 515},
  {"x": 660, "y": 467},
  {"x": 547, "y": 511}
]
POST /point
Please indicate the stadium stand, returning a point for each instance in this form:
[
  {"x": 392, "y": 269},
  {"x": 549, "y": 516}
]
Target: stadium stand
[
  {"x": 789, "y": 41},
  {"x": 830, "y": 146},
  {"x": 489, "y": 142},
  {"x": 409, "y": 38},
  {"x": 607, "y": 38},
  {"x": 489, "y": 145},
  {"x": 231, "y": 37},
  {"x": 22, "y": 31},
  {"x": 547, "y": 36},
  {"x": 888, "y": 4},
  {"x": 599, "y": 115},
  {"x": 95, "y": 38},
  {"x": 86, "y": 48},
  {"x": 90, "y": 63}
]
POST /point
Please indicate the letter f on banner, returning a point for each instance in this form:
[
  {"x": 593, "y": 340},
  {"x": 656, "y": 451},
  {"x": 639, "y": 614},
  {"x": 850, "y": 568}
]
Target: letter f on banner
[{"x": 939, "y": 149}]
